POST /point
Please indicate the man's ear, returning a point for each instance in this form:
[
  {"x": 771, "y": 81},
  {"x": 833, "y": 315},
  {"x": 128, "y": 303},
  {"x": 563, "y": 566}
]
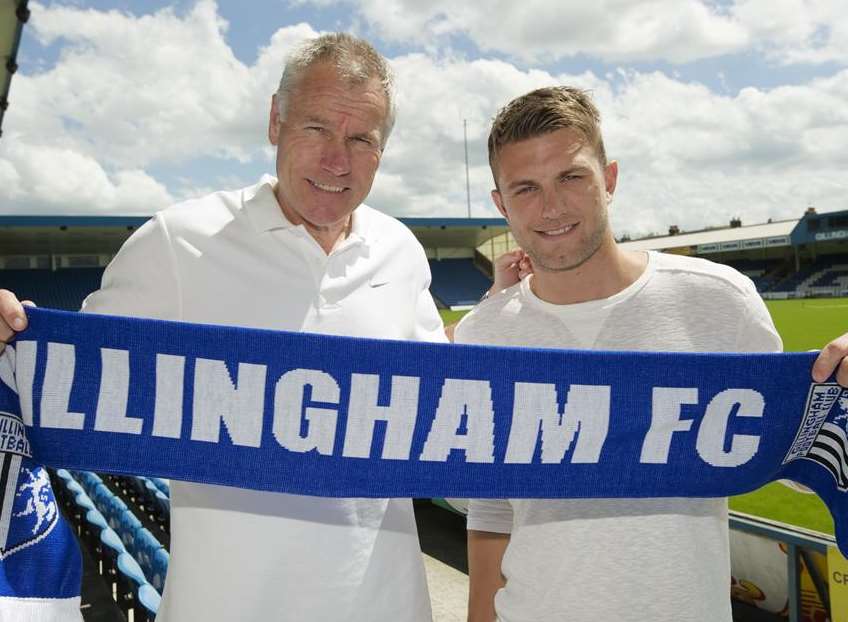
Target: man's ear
[
  {"x": 611, "y": 178},
  {"x": 498, "y": 200},
  {"x": 273, "y": 122}
]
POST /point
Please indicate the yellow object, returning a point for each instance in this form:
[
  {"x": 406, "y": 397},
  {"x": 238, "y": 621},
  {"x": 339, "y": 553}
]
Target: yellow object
[{"x": 837, "y": 572}]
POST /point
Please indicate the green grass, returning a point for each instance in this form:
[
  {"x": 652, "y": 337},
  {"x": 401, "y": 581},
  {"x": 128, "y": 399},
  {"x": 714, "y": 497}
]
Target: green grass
[
  {"x": 803, "y": 325},
  {"x": 809, "y": 324},
  {"x": 777, "y": 502},
  {"x": 451, "y": 317}
]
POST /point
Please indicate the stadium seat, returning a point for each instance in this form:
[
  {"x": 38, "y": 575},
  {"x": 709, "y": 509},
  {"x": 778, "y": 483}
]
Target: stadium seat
[
  {"x": 128, "y": 527},
  {"x": 162, "y": 485},
  {"x": 149, "y": 600},
  {"x": 159, "y": 568},
  {"x": 129, "y": 579},
  {"x": 457, "y": 282},
  {"x": 60, "y": 289}
]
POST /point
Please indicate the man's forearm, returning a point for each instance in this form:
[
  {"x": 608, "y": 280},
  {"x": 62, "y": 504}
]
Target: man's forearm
[{"x": 485, "y": 553}]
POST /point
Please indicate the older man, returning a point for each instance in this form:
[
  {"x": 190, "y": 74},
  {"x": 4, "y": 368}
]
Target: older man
[
  {"x": 299, "y": 252},
  {"x": 605, "y": 559}
]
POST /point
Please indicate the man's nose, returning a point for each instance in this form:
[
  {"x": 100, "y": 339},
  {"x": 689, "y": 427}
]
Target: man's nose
[
  {"x": 553, "y": 204},
  {"x": 335, "y": 157}
]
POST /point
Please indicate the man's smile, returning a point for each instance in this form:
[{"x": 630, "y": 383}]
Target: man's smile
[
  {"x": 563, "y": 230},
  {"x": 326, "y": 187}
]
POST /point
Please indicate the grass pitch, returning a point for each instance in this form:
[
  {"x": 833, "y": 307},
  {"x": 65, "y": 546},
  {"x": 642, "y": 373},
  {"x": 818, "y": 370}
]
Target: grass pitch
[{"x": 803, "y": 325}]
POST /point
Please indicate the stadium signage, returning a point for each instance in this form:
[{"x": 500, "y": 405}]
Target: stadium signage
[
  {"x": 840, "y": 234},
  {"x": 306, "y": 406}
]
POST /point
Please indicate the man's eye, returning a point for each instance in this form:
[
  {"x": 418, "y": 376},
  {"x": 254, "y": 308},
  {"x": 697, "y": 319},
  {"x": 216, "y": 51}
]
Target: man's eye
[
  {"x": 363, "y": 140},
  {"x": 525, "y": 190},
  {"x": 314, "y": 128}
]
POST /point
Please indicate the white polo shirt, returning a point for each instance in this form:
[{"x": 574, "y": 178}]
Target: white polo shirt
[{"x": 232, "y": 258}]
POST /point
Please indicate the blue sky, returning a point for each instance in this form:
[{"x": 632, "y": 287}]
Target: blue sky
[{"x": 713, "y": 109}]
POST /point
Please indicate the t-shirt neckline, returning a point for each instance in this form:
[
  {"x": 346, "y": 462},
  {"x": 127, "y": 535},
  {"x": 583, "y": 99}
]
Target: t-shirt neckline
[{"x": 592, "y": 306}]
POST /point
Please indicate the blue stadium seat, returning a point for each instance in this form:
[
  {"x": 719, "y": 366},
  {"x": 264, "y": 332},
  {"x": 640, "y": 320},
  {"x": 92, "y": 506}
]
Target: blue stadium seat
[
  {"x": 128, "y": 527},
  {"x": 457, "y": 282},
  {"x": 134, "y": 591},
  {"x": 60, "y": 289},
  {"x": 162, "y": 485},
  {"x": 152, "y": 557},
  {"x": 149, "y": 600},
  {"x": 64, "y": 474},
  {"x": 91, "y": 530},
  {"x": 84, "y": 501},
  {"x": 159, "y": 568},
  {"x": 128, "y": 567},
  {"x": 129, "y": 557}
]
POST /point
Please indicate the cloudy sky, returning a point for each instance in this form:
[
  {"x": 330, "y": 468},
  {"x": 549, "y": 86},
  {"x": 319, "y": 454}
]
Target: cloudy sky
[{"x": 713, "y": 108}]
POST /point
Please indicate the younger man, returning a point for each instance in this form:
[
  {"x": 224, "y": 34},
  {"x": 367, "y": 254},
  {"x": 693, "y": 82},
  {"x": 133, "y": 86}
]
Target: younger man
[{"x": 605, "y": 559}]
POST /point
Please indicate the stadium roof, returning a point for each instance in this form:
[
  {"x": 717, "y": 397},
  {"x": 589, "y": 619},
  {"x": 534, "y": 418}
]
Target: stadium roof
[
  {"x": 83, "y": 234},
  {"x": 455, "y": 232},
  {"x": 715, "y": 236},
  {"x": 13, "y": 14}
]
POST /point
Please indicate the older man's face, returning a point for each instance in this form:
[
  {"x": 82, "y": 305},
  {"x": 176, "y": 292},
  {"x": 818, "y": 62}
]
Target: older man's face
[{"x": 328, "y": 148}]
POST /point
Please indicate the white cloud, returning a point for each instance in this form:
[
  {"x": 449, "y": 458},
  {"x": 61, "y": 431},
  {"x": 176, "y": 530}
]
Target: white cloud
[
  {"x": 540, "y": 30},
  {"x": 156, "y": 88},
  {"x": 617, "y": 31},
  {"x": 53, "y": 180},
  {"x": 129, "y": 92},
  {"x": 758, "y": 155},
  {"x": 797, "y": 31},
  {"x": 688, "y": 155},
  {"x": 129, "y": 95}
]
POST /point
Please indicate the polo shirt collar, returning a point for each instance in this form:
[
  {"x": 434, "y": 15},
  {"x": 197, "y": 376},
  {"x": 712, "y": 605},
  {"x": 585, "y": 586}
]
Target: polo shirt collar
[{"x": 262, "y": 208}]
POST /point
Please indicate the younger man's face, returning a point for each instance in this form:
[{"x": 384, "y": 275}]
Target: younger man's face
[{"x": 554, "y": 192}]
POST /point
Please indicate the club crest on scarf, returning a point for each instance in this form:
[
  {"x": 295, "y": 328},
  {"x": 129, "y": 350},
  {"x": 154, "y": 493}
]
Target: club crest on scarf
[
  {"x": 28, "y": 511},
  {"x": 34, "y": 511},
  {"x": 822, "y": 436}
]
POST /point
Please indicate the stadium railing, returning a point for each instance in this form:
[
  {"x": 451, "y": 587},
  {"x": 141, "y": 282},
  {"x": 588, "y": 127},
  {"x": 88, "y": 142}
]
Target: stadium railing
[{"x": 799, "y": 544}]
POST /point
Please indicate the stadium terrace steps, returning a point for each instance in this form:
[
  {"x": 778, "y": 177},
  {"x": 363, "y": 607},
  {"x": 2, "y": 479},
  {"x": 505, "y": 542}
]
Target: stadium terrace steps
[
  {"x": 457, "y": 282},
  {"x": 826, "y": 272},
  {"x": 836, "y": 276}
]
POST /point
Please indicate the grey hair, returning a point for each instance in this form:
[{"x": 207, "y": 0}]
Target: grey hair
[{"x": 356, "y": 62}]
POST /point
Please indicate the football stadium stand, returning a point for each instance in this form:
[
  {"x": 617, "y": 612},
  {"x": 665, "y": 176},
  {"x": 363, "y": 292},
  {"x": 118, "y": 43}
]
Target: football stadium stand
[
  {"x": 115, "y": 538},
  {"x": 457, "y": 282},
  {"x": 60, "y": 289}
]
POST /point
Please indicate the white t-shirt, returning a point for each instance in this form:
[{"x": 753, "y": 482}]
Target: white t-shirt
[
  {"x": 232, "y": 258},
  {"x": 621, "y": 559}
]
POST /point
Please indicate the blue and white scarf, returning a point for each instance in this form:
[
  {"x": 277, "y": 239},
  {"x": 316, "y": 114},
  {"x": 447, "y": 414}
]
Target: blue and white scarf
[{"x": 349, "y": 417}]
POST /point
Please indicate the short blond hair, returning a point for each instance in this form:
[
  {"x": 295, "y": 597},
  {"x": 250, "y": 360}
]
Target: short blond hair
[{"x": 542, "y": 111}]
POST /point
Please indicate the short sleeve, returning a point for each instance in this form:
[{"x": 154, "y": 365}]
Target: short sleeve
[
  {"x": 428, "y": 322},
  {"x": 141, "y": 280},
  {"x": 493, "y": 515},
  {"x": 756, "y": 332}
]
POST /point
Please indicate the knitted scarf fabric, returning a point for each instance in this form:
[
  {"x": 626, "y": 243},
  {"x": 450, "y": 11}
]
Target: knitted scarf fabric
[{"x": 349, "y": 417}]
